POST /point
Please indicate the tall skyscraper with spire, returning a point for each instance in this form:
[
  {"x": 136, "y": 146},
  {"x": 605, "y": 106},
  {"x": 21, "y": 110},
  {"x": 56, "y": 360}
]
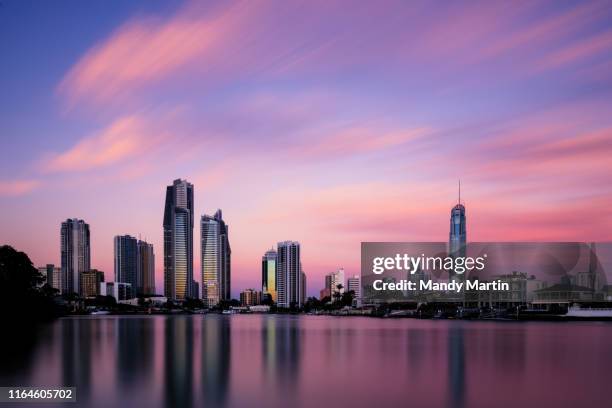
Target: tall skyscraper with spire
[
  {"x": 216, "y": 259},
  {"x": 75, "y": 253},
  {"x": 457, "y": 238},
  {"x": 178, "y": 240}
]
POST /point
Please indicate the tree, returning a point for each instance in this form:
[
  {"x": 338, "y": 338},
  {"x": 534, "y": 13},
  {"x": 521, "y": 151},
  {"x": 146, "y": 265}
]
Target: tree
[
  {"x": 312, "y": 303},
  {"x": 21, "y": 300},
  {"x": 338, "y": 293}
]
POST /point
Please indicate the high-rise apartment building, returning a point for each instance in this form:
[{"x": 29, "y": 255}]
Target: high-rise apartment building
[
  {"x": 215, "y": 253},
  {"x": 75, "y": 253},
  {"x": 268, "y": 274},
  {"x": 250, "y": 297},
  {"x": 145, "y": 269},
  {"x": 90, "y": 283},
  {"x": 289, "y": 275},
  {"x": 126, "y": 259},
  {"x": 354, "y": 283},
  {"x": 53, "y": 275},
  {"x": 334, "y": 282},
  {"x": 178, "y": 240},
  {"x": 457, "y": 238},
  {"x": 135, "y": 264}
]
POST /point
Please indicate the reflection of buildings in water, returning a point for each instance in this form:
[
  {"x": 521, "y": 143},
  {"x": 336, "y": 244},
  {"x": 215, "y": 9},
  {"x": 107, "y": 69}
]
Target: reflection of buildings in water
[
  {"x": 456, "y": 368},
  {"x": 78, "y": 340},
  {"x": 135, "y": 350},
  {"x": 416, "y": 344},
  {"x": 216, "y": 359},
  {"x": 178, "y": 361},
  {"x": 281, "y": 349}
]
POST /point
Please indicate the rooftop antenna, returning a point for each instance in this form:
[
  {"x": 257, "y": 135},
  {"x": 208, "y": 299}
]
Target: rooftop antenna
[{"x": 459, "y": 191}]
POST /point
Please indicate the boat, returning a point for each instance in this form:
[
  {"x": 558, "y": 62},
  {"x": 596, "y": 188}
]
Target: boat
[{"x": 576, "y": 311}]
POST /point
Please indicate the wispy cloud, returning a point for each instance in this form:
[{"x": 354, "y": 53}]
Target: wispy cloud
[
  {"x": 144, "y": 50},
  {"x": 13, "y": 188},
  {"x": 123, "y": 139}
]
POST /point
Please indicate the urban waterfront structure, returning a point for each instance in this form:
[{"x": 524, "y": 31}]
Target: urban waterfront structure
[
  {"x": 53, "y": 275},
  {"x": 268, "y": 274},
  {"x": 354, "y": 284},
  {"x": 289, "y": 275},
  {"x": 135, "y": 264},
  {"x": 90, "y": 283},
  {"x": 75, "y": 253},
  {"x": 215, "y": 254},
  {"x": 302, "y": 286},
  {"x": 457, "y": 238},
  {"x": 334, "y": 283},
  {"x": 126, "y": 259},
  {"x": 178, "y": 240},
  {"x": 145, "y": 269},
  {"x": 119, "y": 290},
  {"x": 250, "y": 297}
]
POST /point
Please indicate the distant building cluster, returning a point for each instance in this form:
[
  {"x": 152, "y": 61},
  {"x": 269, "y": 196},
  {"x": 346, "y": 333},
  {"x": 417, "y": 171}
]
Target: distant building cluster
[{"x": 283, "y": 280}]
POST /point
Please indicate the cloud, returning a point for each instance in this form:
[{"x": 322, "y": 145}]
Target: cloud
[
  {"x": 144, "y": 50},
  {"x": 359, "y": 139},
  {"x": 15, "y": 188},
  {"x": 577, "y": 52},
  {"x": 125, "y": 138}
]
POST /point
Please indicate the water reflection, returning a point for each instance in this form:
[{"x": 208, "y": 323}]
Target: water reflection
[
  {"x": 178, "y": 360},
  {"x": 192, "y": 361},
  {"x": 216, "y": 360}
]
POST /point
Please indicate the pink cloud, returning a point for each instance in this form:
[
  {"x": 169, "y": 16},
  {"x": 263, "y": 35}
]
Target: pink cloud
[
  {"x": 122, "y": 139},
  {"x": 359, "y": 139},
  {"x": 14, "y": 188},
  {"x": 144, "y": 50},
  {"x": 577, "y": 52}
]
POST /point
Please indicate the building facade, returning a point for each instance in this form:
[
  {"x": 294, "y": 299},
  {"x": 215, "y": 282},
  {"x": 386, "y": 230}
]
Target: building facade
[
  {"x": 90, "y": 283},
  {"x": 334, "y": 283},
  {"x": 354, "y": 283},
  {"x": 268, "y": 274},
  {"x": 178, "y": 240},
  {"x": 52, "y": 275},
  {"x": 126, "y": 259},
  {"x": 75, "y": 253},
  {"x": 119, "y": 290},
  {"x": 145, "y": 269},
  {"x": 215, "y": 254},
  {"x": 289, "y": 275},
  {"x": 457, "y": 238},
  {"x": 250, "y": 297}
]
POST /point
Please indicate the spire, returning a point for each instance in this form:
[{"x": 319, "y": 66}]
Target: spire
[{"x": 459, "y": 191}]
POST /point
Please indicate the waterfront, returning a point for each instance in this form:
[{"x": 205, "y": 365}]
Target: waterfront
[{"x": 274, "y": 360}]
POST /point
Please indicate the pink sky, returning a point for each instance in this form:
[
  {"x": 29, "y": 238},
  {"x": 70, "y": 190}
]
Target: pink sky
[{"x": 329, "y": 123}]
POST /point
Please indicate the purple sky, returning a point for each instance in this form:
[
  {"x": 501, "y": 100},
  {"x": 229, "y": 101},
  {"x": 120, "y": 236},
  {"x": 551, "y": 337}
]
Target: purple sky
[{"x": 325, "y": 122}]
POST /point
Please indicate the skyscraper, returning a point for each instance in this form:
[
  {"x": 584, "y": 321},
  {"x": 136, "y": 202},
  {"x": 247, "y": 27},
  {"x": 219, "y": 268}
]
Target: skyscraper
[
  {"x": 75, "y": 253},
  {"x": 178, "y": 240},
  {"x": 126, "y": 259},
  {"x": 216, "y": 259},
  {"x": 268, "y": 274},
  {"x": 145, "y": 269},
  {"x": 288, "y": 275},
  {"x": 354, "y": 283},
  {"x": 332, "y": 283},
  {"x": 457, "y": 237}
]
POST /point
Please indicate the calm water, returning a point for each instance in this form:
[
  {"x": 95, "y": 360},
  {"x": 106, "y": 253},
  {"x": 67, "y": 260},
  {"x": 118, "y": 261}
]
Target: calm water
[{"x": 260, "y": 360}]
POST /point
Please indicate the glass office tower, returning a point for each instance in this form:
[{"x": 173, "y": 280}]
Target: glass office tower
[{"x": 178, "y": 240}]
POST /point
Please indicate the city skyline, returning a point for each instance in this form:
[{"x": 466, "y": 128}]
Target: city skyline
[{"x": 348, "y": 124}]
